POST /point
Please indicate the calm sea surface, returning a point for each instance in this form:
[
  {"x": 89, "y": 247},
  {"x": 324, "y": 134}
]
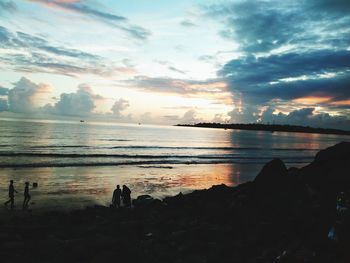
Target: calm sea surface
[{"x": 77, "y": 164}]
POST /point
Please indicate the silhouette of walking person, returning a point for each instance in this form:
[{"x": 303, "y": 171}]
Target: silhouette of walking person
[
  {"x": 11, "y": 195},
  {"x": 116, "y": 197},
  {"x": 26, "y": 196},
  {"x": 126, "y": 192}
]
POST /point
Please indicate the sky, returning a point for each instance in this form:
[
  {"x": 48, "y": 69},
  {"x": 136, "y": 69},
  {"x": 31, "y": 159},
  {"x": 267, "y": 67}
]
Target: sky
[{"x": 184, "y": 61}]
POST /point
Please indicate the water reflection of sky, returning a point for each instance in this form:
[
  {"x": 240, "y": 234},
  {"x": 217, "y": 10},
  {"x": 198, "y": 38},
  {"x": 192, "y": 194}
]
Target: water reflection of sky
[{"x": 81, "y": 186}]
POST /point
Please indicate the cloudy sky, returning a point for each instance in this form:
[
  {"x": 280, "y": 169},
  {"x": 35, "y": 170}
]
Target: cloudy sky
[{"x": 184, "y": 61}]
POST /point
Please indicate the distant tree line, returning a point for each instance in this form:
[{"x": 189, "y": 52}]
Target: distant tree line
[{"x": 267, "y": 127}]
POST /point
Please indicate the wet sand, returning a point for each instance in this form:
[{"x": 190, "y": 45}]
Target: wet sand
[
  {"x": 284, "y": 215},
  {"x": 77, "y": 187}
]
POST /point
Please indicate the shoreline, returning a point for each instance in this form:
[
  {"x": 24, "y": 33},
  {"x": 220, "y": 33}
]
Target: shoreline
[
  {"x": 284, "y": 215},
  {"x": 79, "y": 187}
]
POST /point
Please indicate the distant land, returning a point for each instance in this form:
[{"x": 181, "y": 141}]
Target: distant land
[{"x": 267, "y": 127}]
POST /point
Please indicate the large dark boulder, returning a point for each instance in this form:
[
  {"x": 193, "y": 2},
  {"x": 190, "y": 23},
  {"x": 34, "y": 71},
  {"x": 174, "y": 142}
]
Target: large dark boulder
[
  {"x": 146, "y": 201},
  {"x": 220, "y": 195},
  {"x": 276, "y": 191},
  {"x": 329, "y": 173},
  {"x": 271, "y": 174},
  {"x": 338, "y": 152}
]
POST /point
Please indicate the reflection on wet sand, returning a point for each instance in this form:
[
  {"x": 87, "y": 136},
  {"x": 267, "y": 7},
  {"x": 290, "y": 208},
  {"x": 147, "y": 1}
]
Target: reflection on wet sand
[{"x": 77, "y": 187}]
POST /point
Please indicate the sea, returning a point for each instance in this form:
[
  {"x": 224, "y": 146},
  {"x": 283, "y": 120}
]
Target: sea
[{"x": 78, "y": 164}]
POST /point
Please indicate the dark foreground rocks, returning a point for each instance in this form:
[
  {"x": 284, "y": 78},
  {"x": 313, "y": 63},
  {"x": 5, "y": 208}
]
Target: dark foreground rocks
[{"x": 283, "y": 216}]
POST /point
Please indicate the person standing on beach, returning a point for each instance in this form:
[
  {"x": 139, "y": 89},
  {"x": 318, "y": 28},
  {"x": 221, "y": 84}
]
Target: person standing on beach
[
  {"x": 126, "y": 196},
  {"x": 116, "y": 197},
  {"x": 26, "y": 196},
  {"x": 11, "y": 195}
]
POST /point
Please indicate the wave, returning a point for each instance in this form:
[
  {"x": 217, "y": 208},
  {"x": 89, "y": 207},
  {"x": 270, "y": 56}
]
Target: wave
[
  {"x": 171, "y": 148},
  {"x": 133, "y": 156},
  {"x": 60, "y": 146},
  {"x": 115, "y": 140},
  {"x": 211, "y": 148},
  {"x": 155, "y": 166},
  {"x": 141, "y": 164}
]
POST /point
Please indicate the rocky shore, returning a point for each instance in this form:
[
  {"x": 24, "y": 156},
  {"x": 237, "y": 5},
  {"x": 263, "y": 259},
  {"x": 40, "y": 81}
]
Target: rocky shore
[{"x": 284, "y": 215}]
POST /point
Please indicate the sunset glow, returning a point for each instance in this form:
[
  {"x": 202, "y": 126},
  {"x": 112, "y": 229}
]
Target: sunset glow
[{"x": 166, "y": 62}]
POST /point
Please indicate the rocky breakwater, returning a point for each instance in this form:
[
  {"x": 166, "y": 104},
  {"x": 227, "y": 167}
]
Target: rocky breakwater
[{"x": 284, "y": 215}]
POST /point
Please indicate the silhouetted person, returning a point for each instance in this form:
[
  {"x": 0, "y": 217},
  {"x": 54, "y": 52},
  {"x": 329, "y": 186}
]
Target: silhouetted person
[
  {"x": 116, "y": 196},
  {"x": 26, "y": 196},
  {"x": 126, "y": 196},
  {"x": 11, "y": 195}
]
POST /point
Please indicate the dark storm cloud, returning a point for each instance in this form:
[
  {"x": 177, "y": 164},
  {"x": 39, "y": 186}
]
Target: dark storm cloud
[
  {"x": 258, "y": 25},
  {"x": 88, "y": 9},
  {"x": 337, "y": 88},
  {"x": 289, "y": 50},
  {"x": 306, "y": 116},
  {"x": 258, "y": 76},
  {"x": 261, "y": 26},
  {"x": 338, "y": 6}
]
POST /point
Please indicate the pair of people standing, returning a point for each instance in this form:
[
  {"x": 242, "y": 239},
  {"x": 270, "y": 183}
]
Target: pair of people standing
[
  {"x": 124, "y": 193},
  {"x": 12, "y": 192}
]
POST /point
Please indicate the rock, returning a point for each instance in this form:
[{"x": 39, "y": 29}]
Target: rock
[
  {"x": 174, "y": 200},
  {"x": 293, "y": 171},
  {"x": 340, "y": 151},
  {"x": 145, "y": 201},
  {"x": 276, "y": 191},
  {"x": 272, "y": 173},
  {"x": 329, "y": 172}
]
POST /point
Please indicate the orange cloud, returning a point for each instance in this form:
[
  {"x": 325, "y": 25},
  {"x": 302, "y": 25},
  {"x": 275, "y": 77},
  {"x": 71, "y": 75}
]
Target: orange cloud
[
  {"x": 312, "y": 100},
  {"x": 341, "y": 103}
]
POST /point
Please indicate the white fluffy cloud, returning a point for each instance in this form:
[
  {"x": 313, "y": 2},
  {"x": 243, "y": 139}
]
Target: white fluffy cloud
[
  {"x": 220, "y": 118},
  {"x": 119, "y": 106},
  {"x": 29, "y": 97},
  {"x": 190, "y": 117},
  {"x": 246, "y": 114},
  {"x": 80, "y": 103},
  {"x": 26, "y": 96}
]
